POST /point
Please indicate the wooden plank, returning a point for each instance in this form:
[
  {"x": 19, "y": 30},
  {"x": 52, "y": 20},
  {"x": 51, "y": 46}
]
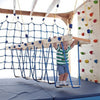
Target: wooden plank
[{"x": 46, "y": 42}]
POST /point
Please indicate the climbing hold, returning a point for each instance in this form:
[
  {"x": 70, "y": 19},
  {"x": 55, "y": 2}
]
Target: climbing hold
[
  {"x": 40, "y": 42},
  {"x": 70, "y": 25},
  {"x": 91, "y": 31},
  {"x": 88, "y": 30},
  {"x": 95, "y": 40},
  {"x": 95, "y": 1},
  {"x": 83, "y": 11},
  {"x": 86, "y": 24},
  {"x": 32, "y": 43},
  {"x": 83, "y": 70},
  {"x": 6, "y": 16},
  {"x": 26, "y": 35},
  {"x": 96, "y": 81},
  {"x": 79, "y": 28},
  {"x": 19, "y": 45},
  {"x": 17, "y": 17},
  {"x": 95, "y": 61},
  {"x": 14, "y": 46},
  {"x": 82, "y": 19},
  {"x": 82, "y": 34},
  {"x": 6, "y": 41},
  {"x": 59, "y": 38},
  {"x": 25, "y": 44},
  {"x": 49, "y": 40},
  {"x": 89, "y": 8},
  {"x": 91, "y": 70},
  {"x": 91, "y": 52},
  {"x": 78, "y": 13},
  {"x": 95, "y": 20},
  {"x": 80, "y": 60},
  {"x": 86, "y": 79},
  {"x": 82, "y": 53},
  {"x": 91, "y": 14},
  {"x": 86, "y": 61}
]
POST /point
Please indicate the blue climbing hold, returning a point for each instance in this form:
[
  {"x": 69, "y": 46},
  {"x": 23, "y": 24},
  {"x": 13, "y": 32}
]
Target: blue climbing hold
[
  {"x": 86, "y": 79},
  {"x": 6, "y": 41},
  {"x": 49, "y": 40},
  {"x": 19, "y": 45},
  {"x": 26, "y": 35},
  {"x": 9, "y": 47},
  {"x": 17, "y": 17},
  {"x": 95, "y": 61},
  {"x": 6, "y": 16},
  {"x": 40, "y": 42},
  {"x": 59, "y": 38},
  {"x": 32, "y": 43},
  {"x": 43, "y": 19},
  {"x": 25, "y": 44},
  {"x": 82, "y": 19},
  {"x": 14, "y": 46},
  {"x": 88, "y": 31},
  {"x": 70, "y": 25}
]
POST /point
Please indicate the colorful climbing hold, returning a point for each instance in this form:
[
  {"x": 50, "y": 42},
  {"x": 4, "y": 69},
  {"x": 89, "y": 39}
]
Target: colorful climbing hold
[
  {"x": 96, "y": 61},
  {"x": 86, "y": 61},
  {"x": 40, "y": 42},
  {"x": 91, "y": 70},
  {"x": 96, "y": 81},
  {"x": 91, "y": 14},
  {"x": 95, "y": 40},
  {"x": 79, "y": 28},
  {"x": 86, "y": 79},
  {"x": 70, "y": 25},
  {"x": 95, "y": 1},
  {"x": 59, "y": 38},
  {"x": 83, "y": 70},
  {"x": 91, "y": 52},
  {"x": 86, "y": 24},
  {"x": 82, "y": 19},
  {"x": 88, "y": 30},
  {"x": 91, "y": 31},
  {"x": 83, "y": 11},
  {"x": 89, "y": 8},
  {"x": 82, "y": 34},
  {"x": 78, "y": 13},
  {"x": 82, "y": 53},
  {"x": 26, "y": 35},
  {"x": 49, "y": 40},
  {"x": 80, "y": 60},
  {"x": 95, "y": 20}
]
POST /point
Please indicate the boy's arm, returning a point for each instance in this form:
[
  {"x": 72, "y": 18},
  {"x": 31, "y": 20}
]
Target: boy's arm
[
  {"x": 55, "y": 44},
  {"x": 74, "y": 43}
]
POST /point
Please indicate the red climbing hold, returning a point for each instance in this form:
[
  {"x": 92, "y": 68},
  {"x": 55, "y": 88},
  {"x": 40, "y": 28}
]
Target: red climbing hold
[
  {"x": 82, "y": 34},
  {"x": 96, "y": 81},
  {"x": 80, "y": 60},
  {"x": 91, "y": 52},
  {"x": 78, "y": 13},
  {"x": 83, "y": 70},
  {"x": 95, "y": 20},
  {"x": 83, "y": 11}
]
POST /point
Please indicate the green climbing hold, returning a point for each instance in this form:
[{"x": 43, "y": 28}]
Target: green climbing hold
[
  {"x": 91, "y": 70},
  {"x": 91, "y": 31},
  {"x": 95, "y": 1},
  {"x": 82, "y": 53},
  {"x": 79, "y": 28}
]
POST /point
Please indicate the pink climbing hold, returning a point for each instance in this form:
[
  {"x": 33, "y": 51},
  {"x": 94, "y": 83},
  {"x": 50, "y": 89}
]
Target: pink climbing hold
[
  {"x": 83, "y": 70},
  {"x": 78, "y": 13}
]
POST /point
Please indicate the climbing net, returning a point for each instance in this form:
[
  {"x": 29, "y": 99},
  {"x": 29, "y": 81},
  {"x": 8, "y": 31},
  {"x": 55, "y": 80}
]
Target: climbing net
[{"x": 27, "y": 60}]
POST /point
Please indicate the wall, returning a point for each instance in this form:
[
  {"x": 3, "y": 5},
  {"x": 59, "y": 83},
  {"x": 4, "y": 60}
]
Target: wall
[{"x": 89, "y": 28}]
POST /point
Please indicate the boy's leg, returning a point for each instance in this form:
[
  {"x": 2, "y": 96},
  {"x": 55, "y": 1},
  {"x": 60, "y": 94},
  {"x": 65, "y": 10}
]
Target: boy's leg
[{"x": 65, "y": 76}]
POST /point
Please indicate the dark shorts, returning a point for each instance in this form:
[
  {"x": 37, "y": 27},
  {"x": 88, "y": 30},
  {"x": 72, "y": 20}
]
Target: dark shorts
[{"x": 62, "y": 69}]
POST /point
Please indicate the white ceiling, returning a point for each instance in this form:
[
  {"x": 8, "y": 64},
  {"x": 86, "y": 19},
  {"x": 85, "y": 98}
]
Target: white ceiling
[{"x": 41, "y": 6}]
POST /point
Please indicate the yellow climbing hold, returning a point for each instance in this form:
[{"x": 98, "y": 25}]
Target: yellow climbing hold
[
  {"x": 89, "y": 8},
  {"x": 86, "y": 61}
]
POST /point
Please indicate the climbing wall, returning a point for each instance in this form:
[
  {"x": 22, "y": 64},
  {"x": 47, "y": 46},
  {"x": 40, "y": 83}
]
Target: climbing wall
[{"x": 89, "y": 28}]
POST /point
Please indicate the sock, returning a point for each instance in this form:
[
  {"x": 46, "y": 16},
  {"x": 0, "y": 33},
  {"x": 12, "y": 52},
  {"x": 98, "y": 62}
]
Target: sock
[
  {"x": 64, "y": 82},
  {"x": 60, "y": 82}
]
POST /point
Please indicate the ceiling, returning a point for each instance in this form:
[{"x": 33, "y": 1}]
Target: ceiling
[{"x": 41, "y": 6}]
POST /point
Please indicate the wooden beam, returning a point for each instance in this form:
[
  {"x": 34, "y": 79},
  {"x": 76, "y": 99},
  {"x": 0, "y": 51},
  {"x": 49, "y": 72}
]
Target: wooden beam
[{"x": 64, "y": 16}]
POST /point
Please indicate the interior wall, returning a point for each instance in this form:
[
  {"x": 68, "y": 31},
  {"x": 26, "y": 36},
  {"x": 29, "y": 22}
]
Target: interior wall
[{"x": 89, "y": 27}]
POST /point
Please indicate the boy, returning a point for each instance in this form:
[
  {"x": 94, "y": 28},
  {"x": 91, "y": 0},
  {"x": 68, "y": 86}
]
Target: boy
[{"x": 61, "y": 63}]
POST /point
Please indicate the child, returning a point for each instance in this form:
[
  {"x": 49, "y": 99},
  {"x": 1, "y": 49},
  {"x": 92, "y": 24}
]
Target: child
[{"x": 61, "y": 63}]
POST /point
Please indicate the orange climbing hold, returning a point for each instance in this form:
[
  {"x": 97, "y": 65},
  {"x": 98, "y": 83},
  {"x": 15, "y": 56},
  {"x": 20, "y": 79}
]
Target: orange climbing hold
[
  {"x": 83, "y": 11},
  {"x": 95, "y": 40},
  {"x": 91, "y": 14}
]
